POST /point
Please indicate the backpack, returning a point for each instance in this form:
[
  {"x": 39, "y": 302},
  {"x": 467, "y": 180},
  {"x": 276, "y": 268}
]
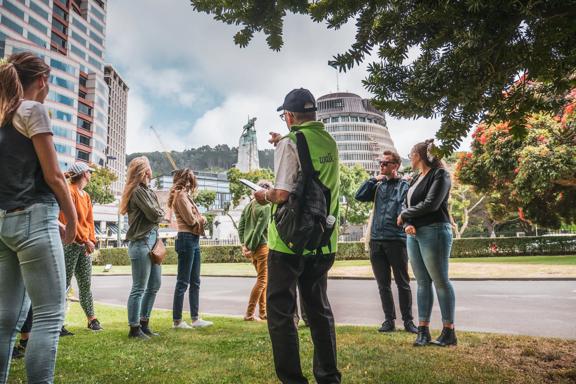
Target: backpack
[{"x": 303, "y": 222}]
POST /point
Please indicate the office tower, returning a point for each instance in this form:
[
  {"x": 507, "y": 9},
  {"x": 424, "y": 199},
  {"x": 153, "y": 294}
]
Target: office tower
[
  {"x": 70, "y": 36},
  {"x": 117, "y": 111}
]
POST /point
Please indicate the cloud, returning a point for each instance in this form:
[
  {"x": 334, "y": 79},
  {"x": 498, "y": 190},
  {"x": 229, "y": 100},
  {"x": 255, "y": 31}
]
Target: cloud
[{"x": 186, "y": 75}]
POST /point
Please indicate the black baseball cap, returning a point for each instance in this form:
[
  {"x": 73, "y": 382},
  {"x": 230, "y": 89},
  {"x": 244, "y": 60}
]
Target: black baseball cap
[{"x": 299, "y": 100}]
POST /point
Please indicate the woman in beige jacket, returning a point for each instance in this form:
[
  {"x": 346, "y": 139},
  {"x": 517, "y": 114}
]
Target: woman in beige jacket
[{"x": 190, "y": 228}]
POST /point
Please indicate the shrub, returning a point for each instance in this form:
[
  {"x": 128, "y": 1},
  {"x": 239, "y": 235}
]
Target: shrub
[{"x": 481, "y": 247}]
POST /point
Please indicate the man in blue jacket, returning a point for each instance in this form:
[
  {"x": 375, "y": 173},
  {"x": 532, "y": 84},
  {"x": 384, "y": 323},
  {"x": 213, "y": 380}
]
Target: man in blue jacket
[{"x": 388, "y": 241}]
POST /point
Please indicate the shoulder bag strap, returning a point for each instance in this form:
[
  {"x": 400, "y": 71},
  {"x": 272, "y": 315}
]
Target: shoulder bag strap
[{"x": 304, "y": 155}]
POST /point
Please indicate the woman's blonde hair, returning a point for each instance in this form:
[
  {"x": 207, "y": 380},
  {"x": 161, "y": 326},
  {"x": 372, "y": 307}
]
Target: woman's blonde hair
[
  {"x": 136, "y": 175},
  {"x": 184, "y": 180},
  {"x": 16, "y": 74}
]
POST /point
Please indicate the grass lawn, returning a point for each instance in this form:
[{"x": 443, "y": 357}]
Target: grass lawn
[
  {"x": 486, "y": 267},
  {"x": 235, "y": 352}
]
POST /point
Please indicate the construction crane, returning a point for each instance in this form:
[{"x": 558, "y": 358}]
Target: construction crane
[{"x": 168, "y": 155}]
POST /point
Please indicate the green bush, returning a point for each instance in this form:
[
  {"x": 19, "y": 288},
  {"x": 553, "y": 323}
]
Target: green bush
[
  {"x": 481, "y": 247},
  {"x": 514, "y": 246}
]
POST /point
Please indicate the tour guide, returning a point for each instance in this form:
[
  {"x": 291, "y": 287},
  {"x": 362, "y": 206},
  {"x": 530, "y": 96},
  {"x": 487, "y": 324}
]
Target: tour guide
[{"x": 308, "y": 269}]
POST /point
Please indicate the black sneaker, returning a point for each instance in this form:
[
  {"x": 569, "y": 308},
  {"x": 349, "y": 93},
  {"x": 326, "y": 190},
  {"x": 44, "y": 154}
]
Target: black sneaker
[
  {"x": 410, "y": 327},
  {"x": 94, "y": 325},
  {"x": 387, "y": 326},
  {"x": 18, "y": 352},
  {"x": 65, "y": 332}
]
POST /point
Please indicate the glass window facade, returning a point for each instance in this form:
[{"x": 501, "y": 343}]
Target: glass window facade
[
  {"x": 60, "y": 131},
  {"x": 63, "y": 67},
  {"x": 97, "y": 25},
  {"x": 68, "y": 84},
  {"x": 96, "y": 38},
  {"x": 79, "y": 38},
  {"x": 85, "y": 140},
  {"x": 39, "y": 10},
  {"x": 78, "y": 24},
  {"x": 38, "y": 25},
  {"x": 77, "y": 51},
  {"x": 97, "y": 51},
  {"x": 37, "y": 40},
  {"x": 85, "y": 109},
  {"x": 14, "y": 9},
  {"x": 12, "y": 25},
  {"x": 82, "y": 155},
  {"x": 61, "y": 98}
]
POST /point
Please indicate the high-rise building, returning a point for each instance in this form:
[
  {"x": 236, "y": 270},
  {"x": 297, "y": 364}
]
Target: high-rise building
[
  {"x": 117, "y": 111},
  {"x": 69, "y": 35},
  {"x": 359, "y": 129}
]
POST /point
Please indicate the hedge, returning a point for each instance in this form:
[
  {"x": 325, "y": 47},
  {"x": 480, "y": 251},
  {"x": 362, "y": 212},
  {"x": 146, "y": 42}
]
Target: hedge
[{"x": 481, "y": 247}]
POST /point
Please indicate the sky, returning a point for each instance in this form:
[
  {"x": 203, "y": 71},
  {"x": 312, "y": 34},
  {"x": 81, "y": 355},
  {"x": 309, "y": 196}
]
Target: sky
[{"x": 190, "y": 81}]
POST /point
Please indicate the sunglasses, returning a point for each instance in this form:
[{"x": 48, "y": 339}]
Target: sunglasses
[{"x": 385, "y": 163}]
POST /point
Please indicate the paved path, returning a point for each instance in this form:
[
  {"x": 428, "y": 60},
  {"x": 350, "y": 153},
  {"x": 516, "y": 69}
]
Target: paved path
[{"x": 537, "y": 308}]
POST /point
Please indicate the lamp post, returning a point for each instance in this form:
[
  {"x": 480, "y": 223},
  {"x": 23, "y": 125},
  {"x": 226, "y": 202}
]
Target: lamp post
[{"x": 119, "y": 221}]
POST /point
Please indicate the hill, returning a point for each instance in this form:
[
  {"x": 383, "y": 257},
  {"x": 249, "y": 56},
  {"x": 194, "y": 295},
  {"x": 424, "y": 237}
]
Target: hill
[{"x": 205, "y": 158}]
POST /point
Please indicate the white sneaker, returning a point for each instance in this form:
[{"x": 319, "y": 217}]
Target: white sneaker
[
  {"x": 201, "y": 323},
  {"x": 181, "y": 325}
]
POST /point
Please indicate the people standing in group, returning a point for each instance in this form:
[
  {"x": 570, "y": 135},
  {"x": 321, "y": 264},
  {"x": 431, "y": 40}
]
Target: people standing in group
[
  {"x": 32, "y": 192},
  {"x": 190, "y": 227},
  {"x": 144, "y": 216},
  {"x": 427, "y": 222},
  {"x": 78, "y": 255},
  {"x": 253, "y": 233},
  {"x": 387, "y": 192},
  {"x": 308, "y": 270}
]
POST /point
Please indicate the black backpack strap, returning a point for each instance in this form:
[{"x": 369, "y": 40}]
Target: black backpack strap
[{"x": 304, "y": 155}]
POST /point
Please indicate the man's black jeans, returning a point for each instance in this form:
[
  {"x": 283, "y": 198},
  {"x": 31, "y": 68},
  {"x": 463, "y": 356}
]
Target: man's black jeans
[
  {"x": 391, "y": 255},
  {"x": 310, "y": 274}
]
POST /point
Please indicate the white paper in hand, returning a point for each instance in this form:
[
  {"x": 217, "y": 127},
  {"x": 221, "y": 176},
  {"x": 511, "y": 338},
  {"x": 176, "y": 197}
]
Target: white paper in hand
[{"x": 250, "y": 184}]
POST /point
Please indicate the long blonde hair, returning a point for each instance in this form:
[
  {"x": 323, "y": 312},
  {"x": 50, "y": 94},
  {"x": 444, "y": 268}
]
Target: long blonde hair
[
  {"x": 184, "y": 180},
  {"x": 16, "y": 74},
  {"x": 136, "y": 175}
]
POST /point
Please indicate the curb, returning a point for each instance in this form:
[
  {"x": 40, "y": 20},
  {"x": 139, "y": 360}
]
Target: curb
[{"x": 371, "y": 278}]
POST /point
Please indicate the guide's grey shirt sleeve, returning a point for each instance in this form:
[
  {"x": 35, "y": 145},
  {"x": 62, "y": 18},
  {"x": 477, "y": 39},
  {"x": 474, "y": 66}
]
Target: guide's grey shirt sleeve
[{"x": 286, "y": 165}]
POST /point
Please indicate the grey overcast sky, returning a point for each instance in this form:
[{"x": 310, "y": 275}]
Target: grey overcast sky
[{"x": 189, "y": 80}]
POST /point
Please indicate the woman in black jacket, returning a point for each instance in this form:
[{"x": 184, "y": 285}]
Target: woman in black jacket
[{"x": 427, "y": 222}]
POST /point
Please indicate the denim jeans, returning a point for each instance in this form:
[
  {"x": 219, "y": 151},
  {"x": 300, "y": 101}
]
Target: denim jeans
[
  {"x": 31, "y": 265},
  {"x": 188, "y": 249},
  {"x": 429, "y": 252},
  {"x": 146, "y": 278}
]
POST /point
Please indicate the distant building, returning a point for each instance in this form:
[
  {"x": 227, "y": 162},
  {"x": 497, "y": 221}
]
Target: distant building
[
  {"x": 70, "y": 37},
  {"x": 207, "y": 181},
  {"x": 117, "y": 112},
  {"x": 359, "y": 129}
]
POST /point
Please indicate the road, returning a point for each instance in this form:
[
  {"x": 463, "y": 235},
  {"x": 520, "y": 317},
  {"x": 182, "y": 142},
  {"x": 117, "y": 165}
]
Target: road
[{"x": 536, "y": 308}]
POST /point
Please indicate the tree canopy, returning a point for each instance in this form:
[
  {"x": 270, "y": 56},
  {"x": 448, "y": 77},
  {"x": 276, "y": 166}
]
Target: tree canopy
[
  {"x": 99, "y": 186},
  {"x": 535, "y": 176},
  {"x": 352, "y": 211},
  {"x": 463, "y": 61}
]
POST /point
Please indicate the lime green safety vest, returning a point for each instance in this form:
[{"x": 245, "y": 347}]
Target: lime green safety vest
[{"x": 324, "y": 154}]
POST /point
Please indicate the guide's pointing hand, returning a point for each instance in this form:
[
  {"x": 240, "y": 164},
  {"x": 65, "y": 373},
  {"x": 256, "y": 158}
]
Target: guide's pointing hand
[{"x": 274, "y": 138}]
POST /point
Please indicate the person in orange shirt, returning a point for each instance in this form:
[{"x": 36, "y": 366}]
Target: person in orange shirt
[{"x": 78, "y": 254}]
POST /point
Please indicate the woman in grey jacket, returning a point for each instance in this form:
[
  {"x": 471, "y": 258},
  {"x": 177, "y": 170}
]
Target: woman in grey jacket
[{"x": 428, "y": 226}]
